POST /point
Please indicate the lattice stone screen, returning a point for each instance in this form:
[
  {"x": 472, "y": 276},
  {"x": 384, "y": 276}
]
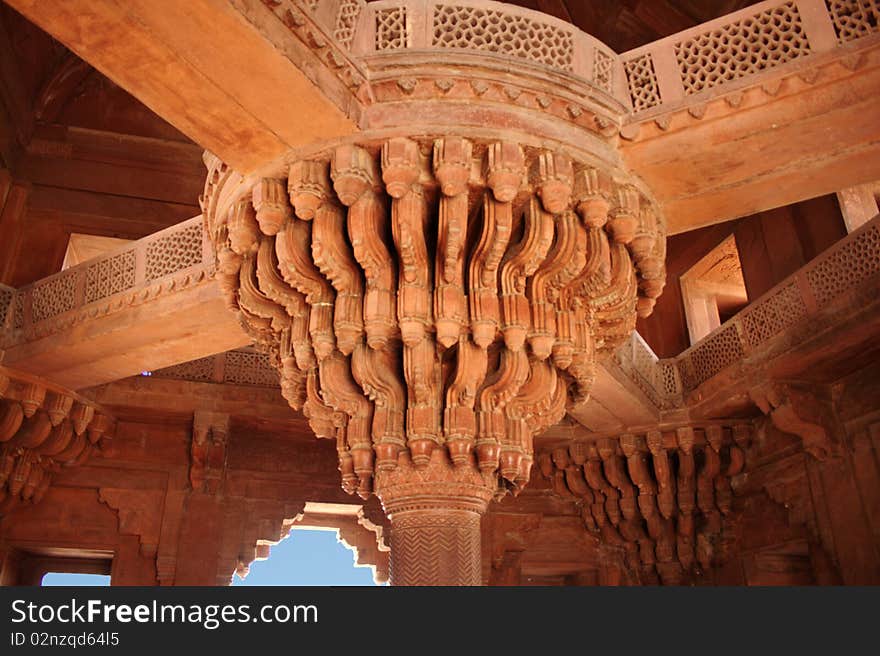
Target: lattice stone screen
[
  {"x": 111, "y": 276},
  {"x": 174, "y": 252},
  {"x": 854, "y": 19},
  {"x": 346, "y": 20},
  {"x": 743, "y": 48},
  {"x": 850, "y": 264},
  {"x": 762, "y": 321},
  {"x": 52, "y": 297},
  {"x": 479, "y": 28},
  {"x": 6, "y": 296},
  {"x": 110, "y": 282},
  {"x": 201, "y": 370},
  {"x": 391, "y": 29},
  {"x": 603, "y": 70},
  {"x": 242, "y": 367},
  {"x": 845, "y": 267},
  {"x": 246, "y": 368},
  {"x": 642, "y": 81}
]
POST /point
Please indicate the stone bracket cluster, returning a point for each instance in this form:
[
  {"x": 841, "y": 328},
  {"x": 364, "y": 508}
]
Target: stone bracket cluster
[
  {"x": 42, "y": 429},
  {"x": 473, "y": 325},
  {"x": 660, "y": 496}
]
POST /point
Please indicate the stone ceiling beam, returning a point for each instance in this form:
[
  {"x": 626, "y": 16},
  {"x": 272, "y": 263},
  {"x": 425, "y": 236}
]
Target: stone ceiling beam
[
  {"x": 786, "y": 115},
  {"x": 809, "y": 140},
  {"x": 148, "y": 304},
  {"x": 205, "y": 66}
]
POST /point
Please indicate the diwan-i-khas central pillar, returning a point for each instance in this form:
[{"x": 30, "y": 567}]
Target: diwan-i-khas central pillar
[{"x": 437, "y": 289}]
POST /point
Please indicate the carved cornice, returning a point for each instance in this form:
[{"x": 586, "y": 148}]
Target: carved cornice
[{"x": 43, "y": 428}]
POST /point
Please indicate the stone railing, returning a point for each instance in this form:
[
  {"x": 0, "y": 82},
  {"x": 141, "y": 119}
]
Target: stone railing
[
  {"x": 732, "y": 52},
  {"x": 239, "y": 367},
  {"x": 364, "y": 29},
  {"x": 851, "y": 263},
  {"x": 658, "y": 379},
  {"x": 721, "y": 56},
  {"x": 170, "y": 259},
  {"x": 486, "y": 27}
]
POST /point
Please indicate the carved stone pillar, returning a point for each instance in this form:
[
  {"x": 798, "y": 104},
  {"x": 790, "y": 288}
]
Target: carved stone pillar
[
  {"x": 435, "y": 521},
  {"x": 438, "y": 289}
]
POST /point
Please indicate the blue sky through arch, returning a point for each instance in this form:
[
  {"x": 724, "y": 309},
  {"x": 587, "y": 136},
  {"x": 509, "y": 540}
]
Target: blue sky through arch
[{"x": 308, "y": 557}]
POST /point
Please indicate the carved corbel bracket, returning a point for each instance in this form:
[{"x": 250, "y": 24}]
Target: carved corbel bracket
[
  {"x": 43, "y": 428},
  {"x": 208, "y": 451},
  {"x": 661, "y": 496},
  {"x": 800, "y": 411}
]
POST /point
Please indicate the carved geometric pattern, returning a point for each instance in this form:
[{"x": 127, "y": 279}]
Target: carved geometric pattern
[
  {"x": 671, "y": 385},
  {"x": 53, "y": 297},
  {"x": 201, "y": 370},
  {"x": 478, "y": 28},
  {"x": 647, "y": 370},
  {"x": 689, "y": 379},
  {"x": 746, "y": 47},
  {"x": 715, "y": 353},
  {"x": 246, "y": 368},
  {"x": 6, "y": 296},
  {"x": 18, "y": 311},
  {"x": 346, "y": 20},
  {"x": 391, "y": 29},
  {"x": 643, "y": 88},
  {"x": 174, "y": 252},
  {"x": 854, "y": 19},
  {"x": 435, "y": 548},
  {"x": 846, "y": 267},
  {"x": 766, "y": 318},
  {"x": 111, "y": 276},
  {"x": 603, "y": 70}
]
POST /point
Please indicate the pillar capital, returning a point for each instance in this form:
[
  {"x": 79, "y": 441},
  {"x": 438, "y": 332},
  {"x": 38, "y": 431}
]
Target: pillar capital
[{"x": 439, "y": 485}]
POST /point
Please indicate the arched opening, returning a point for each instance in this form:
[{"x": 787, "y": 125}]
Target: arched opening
[{"x": 314, "y": 556}]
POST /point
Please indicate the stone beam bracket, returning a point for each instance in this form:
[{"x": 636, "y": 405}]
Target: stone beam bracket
[
  {"x": 799, "y": 411},
  {"x": 210, "y": 435}
]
